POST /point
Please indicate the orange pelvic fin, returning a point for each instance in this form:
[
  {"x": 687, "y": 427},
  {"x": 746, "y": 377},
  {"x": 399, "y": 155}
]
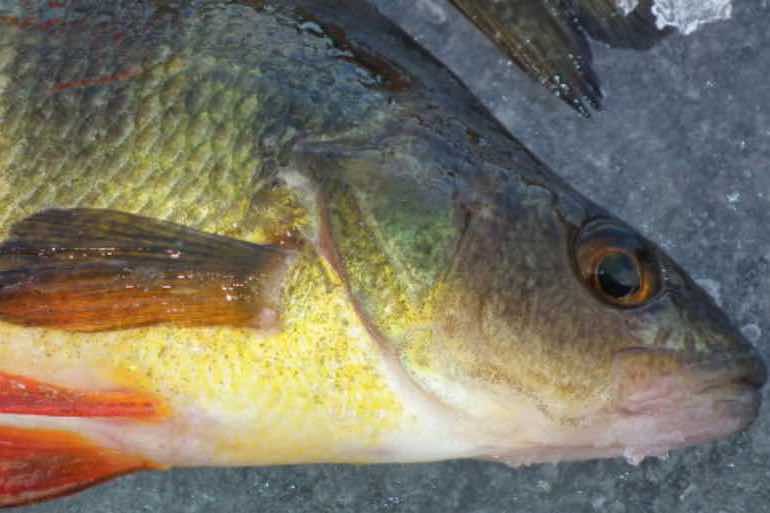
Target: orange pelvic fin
[
  {"x": 26, "y": 396},
  {"x": 40, "y": 464}
]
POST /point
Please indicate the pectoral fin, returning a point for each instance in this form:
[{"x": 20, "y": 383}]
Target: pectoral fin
[
  {"x": 95, "y": 270},
  {"x": 546, "y": 38},
  {"x": 40, "y": 464}
]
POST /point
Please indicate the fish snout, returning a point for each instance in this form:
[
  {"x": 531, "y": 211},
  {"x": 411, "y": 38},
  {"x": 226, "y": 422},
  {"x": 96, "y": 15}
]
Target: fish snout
[{"x": 743, "y": 368}]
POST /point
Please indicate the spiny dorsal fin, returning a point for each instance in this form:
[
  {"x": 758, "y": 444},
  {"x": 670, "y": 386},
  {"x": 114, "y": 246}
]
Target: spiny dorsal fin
[
  {"x": 96, "y": 270},
  {"x": 546, "y": 38}
]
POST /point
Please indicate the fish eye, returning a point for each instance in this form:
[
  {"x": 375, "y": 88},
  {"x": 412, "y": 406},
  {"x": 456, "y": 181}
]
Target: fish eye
[
  {"x": 616, "y": 264},
  {"x": 618, "y": 275}
]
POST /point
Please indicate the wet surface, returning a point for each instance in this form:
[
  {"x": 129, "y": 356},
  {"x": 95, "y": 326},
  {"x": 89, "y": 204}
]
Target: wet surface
[{"x": 682, "y": 152}]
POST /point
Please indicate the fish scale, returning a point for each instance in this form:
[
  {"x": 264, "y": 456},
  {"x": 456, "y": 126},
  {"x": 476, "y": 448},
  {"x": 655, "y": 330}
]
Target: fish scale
[{"x": 176, "y": 157}]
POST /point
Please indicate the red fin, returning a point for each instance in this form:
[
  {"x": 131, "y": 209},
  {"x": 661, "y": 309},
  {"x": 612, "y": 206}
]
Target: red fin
[
  {"x": 29, "y": 397},
  {"x": 40, "y": 464},
  {"x": 96, "y": 270}
]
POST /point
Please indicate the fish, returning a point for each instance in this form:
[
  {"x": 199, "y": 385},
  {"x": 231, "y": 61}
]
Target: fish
[{"x": 280, "y": 232}]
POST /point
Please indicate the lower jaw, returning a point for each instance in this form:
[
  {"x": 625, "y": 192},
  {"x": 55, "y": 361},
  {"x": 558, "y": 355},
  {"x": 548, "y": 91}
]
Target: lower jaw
[
  {"x": 649, "y": 430},
  {"x": 698, "y": 419}
]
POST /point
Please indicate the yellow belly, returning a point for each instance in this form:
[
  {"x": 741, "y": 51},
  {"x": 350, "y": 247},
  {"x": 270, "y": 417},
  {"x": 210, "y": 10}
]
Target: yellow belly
[{"x": 312, "y": 390}]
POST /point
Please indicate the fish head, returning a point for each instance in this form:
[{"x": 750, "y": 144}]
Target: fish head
[
  {"x": 548, "y": 328},
  {"x": 564, "y": 333}
]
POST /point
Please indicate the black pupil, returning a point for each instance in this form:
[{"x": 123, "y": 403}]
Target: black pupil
[{"x": 618, "y": 275}]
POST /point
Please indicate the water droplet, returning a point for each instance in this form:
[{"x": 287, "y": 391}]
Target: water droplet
[
  {"x": 312, "y": 28},
  {"x": 752, "y": 332}
]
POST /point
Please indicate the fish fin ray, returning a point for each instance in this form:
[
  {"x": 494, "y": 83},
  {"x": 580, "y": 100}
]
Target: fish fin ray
[
  {"x": 544, "y": 41},
  {"x": 42, "y": 464},
  {"x": 96, "y": 270},
  {"x": 24, "y": 396}
]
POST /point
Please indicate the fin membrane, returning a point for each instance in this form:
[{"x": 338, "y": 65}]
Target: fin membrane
[
  {"x": 24, "y": 396},
  {"x": 94, "y": 270},
  {"x": 40, "y": 464},
  {"x": 546, "y": 39}
]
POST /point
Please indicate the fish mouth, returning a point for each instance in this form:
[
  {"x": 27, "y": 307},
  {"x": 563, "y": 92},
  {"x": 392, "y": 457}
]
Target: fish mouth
[
  {"x": 657, "y": 402},
  {"x": 681, "y": 404}
]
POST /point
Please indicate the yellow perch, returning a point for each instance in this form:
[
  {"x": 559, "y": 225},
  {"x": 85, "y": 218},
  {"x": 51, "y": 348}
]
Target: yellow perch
[{"x": 273, "y": 232}]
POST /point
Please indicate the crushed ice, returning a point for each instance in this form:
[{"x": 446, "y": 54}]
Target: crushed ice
[
  {"x": 688, "y": 15},
  {"x": 685, "y": 15},
  {"x": 627, "y": 5}
]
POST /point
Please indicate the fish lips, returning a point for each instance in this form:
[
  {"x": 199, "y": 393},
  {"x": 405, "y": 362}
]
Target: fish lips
[{"x": 662, "y": 402}]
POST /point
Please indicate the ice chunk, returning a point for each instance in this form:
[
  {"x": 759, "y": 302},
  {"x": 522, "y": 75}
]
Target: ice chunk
[
  {"x": 627, "y": 5},
  {"x": 688, "y": 15}
]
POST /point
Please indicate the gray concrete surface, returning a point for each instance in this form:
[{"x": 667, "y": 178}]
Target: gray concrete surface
[{"x": 682, "y": 151}]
